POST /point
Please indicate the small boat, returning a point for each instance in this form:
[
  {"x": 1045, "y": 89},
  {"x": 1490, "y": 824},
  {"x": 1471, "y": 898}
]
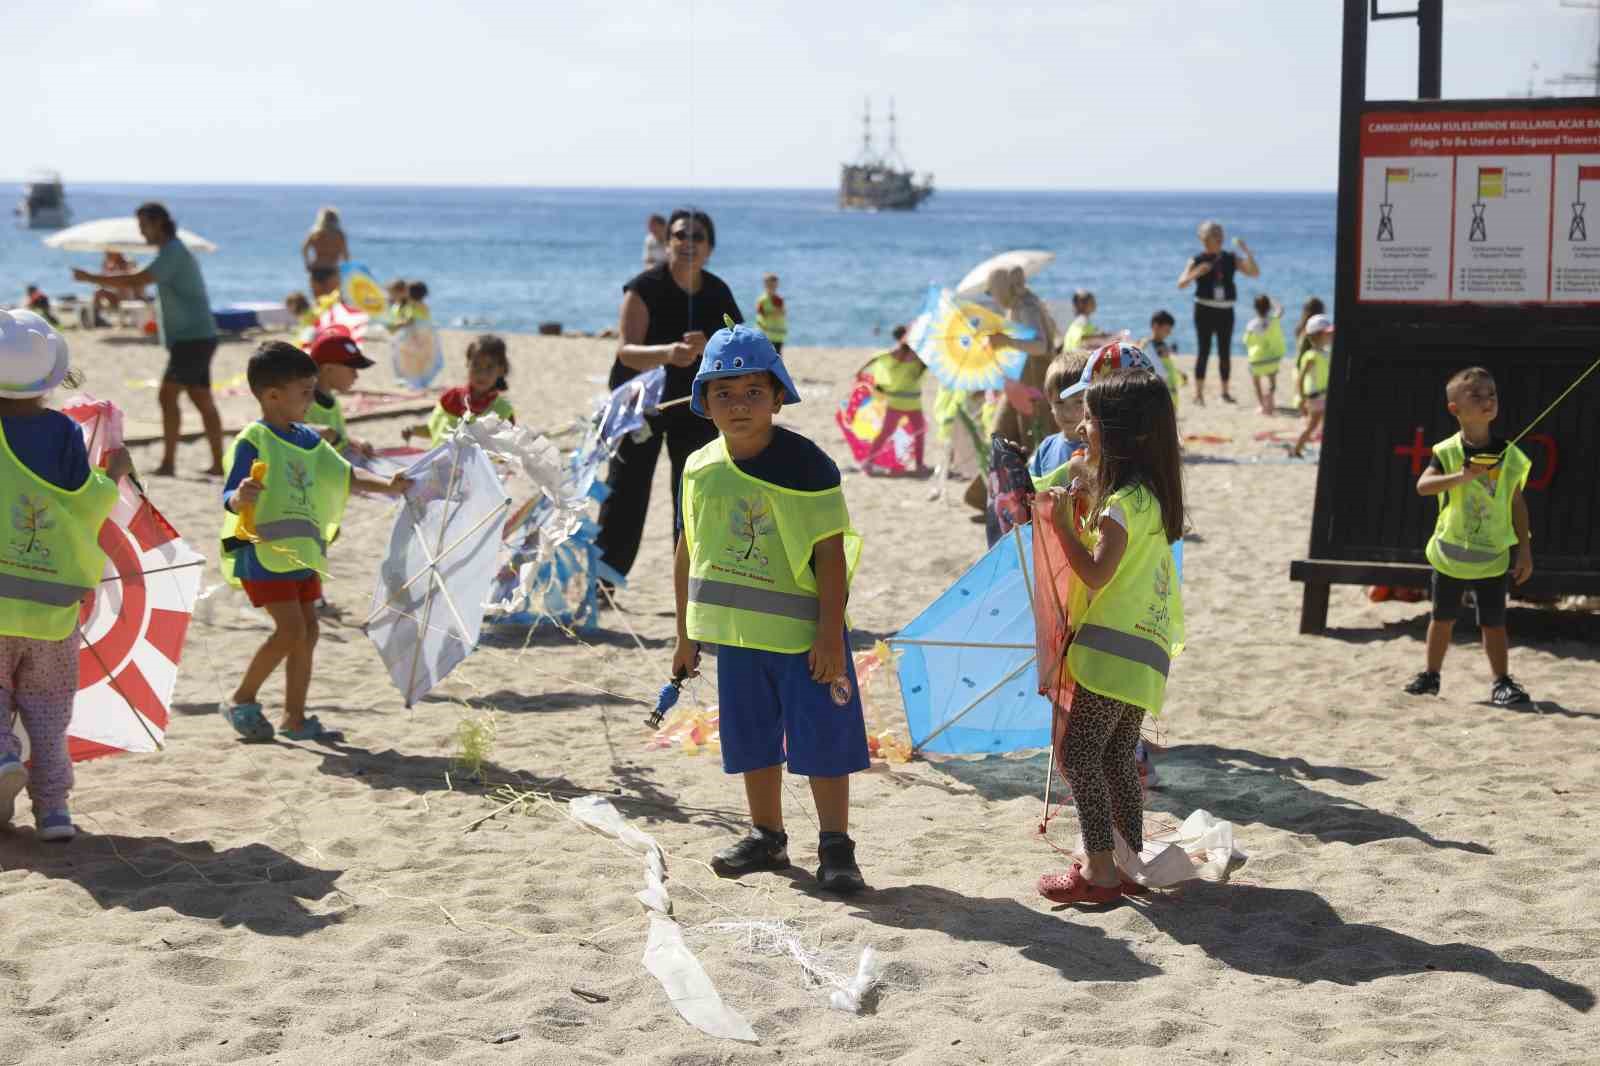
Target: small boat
[
  {"x": 44, "y": 202},
  {"x": 880, "y": 182}
]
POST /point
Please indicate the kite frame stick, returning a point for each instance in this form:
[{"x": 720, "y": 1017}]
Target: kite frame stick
[
  {"x": 434, "y": 562},
  {"x": 990, "y": 691},
  {"x": 110, "y": 677},
  {"x": 427, "y": 600},
  {"x": 673, "y": 403},
  {"x": 955, "y": 644},
  {"x": 157, "y": 570}
]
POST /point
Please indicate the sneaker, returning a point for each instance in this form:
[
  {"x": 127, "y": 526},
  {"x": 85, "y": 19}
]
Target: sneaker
[
  {"x": 1506, "y": 693},
  {"x": 13, "y": 779},
  {"x": 837, "y": 870},
  {"x": 761, "y": 849},
  {"x": 1424, "y": 684},
  {"x": 54, "y": 825}
]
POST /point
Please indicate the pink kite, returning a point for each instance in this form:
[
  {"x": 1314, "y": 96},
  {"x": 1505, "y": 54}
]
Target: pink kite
[{"x": 860, "y": 417}]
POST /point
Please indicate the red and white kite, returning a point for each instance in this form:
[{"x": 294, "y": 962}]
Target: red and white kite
[{"x": 134, "y": 622}]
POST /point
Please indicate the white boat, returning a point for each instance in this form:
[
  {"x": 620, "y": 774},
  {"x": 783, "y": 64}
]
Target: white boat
[{"x": 44, "y": 202}]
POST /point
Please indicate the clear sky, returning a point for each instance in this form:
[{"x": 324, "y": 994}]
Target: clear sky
[{"x": 1129, "y": 94}]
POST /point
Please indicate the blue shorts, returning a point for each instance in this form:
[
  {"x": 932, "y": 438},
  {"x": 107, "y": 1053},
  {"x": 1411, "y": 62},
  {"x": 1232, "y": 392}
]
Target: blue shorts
[{"x": 769, "y": 706}]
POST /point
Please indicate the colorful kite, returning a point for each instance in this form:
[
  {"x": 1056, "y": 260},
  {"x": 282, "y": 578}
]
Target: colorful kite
[
  {"x": 860, "y": 418},
  {"x": 417, "y": 353},
  {"x": 134, "y": 624},
  {"x": 361, "y": 290},
  {"x": 952, "y": 338}
]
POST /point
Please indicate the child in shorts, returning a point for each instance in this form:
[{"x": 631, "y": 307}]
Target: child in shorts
[
  {"x": 1161, "y": 350},
  {"x": 276, "y": 530},
  {"x": 762, "y": 573},
  {"x": 1478, "y": 478},
  {"x": 1311, "y": 378}
]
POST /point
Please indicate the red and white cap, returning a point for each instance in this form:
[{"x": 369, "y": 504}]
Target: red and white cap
[
  {"x": 334, "y": 344},
  {"x": 1118, "y": 355}
]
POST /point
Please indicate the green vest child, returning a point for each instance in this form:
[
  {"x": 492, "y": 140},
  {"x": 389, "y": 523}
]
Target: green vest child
[
  {"x": 1264, "y": 344},
  {"x": 772, "y": 317},
  {"x": 1473, "y": 534},
  {"x": 298, "y": 513},
  {"x": 898, "y": 381}
]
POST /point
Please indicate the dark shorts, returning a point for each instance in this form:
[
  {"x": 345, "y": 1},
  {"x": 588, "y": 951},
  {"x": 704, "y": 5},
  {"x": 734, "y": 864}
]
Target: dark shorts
[
  {"x": 1490, "y": 592},
  {"x": 189, "y": 362},
  {"x": 772, "y": 712},
  {"x": 290, "y": 590},
  {"x": 322, "y": 273}
]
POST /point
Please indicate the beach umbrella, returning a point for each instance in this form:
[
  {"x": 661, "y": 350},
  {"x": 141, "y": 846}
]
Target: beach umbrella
[
  {"x": 976, "y": 283},
  {"x": 119, "y": 234},
  {"x": 952, "y": 337}
]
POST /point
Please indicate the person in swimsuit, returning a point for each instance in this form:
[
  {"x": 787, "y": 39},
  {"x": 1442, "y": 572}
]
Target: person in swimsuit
[{"x": 324, "y": 249}]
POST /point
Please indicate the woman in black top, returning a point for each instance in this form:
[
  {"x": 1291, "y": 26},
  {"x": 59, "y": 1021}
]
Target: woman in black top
[
  {"x": 668, "y": 311},
  {"x": 1212, "y": 272}
]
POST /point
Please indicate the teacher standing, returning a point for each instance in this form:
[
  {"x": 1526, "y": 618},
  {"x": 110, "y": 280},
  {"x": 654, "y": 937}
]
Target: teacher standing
[
  {"x": 668, "y": 311},
  {"x": 1213, "y": 274},
  {"x": 188, "y": 332}
]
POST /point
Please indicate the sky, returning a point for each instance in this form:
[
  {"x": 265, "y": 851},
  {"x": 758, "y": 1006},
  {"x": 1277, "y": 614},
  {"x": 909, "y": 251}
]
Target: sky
[{"x": 1085, "y": 94}]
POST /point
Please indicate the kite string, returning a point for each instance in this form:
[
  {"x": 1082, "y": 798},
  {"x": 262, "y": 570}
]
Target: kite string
[{"x": 1569, "y": 390}]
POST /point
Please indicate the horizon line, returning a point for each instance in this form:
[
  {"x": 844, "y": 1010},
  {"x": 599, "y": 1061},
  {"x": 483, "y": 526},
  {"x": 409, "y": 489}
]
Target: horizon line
[{"x": 124, "y": 182}]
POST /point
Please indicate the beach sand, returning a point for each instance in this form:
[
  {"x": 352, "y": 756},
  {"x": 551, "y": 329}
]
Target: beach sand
[{"x": 1419, "y": 884}]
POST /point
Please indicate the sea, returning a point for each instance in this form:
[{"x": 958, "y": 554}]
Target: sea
[{"x": 511, "y": 259}]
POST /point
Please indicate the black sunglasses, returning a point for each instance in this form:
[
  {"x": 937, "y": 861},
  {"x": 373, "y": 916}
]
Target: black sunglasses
[{"x": 698, "y": 236}]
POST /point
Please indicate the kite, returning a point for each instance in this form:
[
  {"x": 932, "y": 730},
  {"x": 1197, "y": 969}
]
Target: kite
[
  {"x": 360, "y": 290},
  {"x": 427, "y": 606},
  {"x": 133, "y": 625},
  {"x": 417, "y": 353},
  {"x": 860, "y": 418},
  {"x": 952, "y": 337}
]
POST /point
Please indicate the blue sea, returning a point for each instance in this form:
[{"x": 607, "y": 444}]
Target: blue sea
[{"x": 509, "y": 259}]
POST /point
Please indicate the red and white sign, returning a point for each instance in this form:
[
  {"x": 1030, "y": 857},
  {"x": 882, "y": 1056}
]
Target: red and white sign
[{"x": 1479, "y": 207}]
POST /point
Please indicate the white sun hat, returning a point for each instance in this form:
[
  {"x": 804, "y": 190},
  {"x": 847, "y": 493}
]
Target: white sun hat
[{"x": 33, "y": 357}]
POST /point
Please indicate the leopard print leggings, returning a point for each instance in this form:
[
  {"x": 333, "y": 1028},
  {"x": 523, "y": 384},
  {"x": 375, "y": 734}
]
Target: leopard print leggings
[{"x": 1097, "y": 759}]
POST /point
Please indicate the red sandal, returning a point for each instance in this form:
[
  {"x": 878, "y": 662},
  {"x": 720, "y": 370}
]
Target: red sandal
[{"x": 1073, "y": 887}]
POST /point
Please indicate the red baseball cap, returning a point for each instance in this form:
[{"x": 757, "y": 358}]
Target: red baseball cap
[{"x": 334, "y": 344}]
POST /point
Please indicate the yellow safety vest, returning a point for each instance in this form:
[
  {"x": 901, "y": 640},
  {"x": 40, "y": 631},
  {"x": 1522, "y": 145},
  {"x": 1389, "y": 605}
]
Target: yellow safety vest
[
  {"x": 1265, "y": 348},
  {"x": 1080, "y": 328},
  {"x": 442, "y": 423},
  {"x": 1123, "y": 644},
  {"x": 298, "y": 511},
  {"x": 332, "y": 417},
  {"x": 1473, "y": 534},
  {"x": 50, "y": 557},
  {"x": 1059, "y": 476},
  {"x": 1319, "y": 370},
  {"x": 750, "y": 545},
  {"x": 1172, "y": 378},
  {"x": 771, "y": 319},
  {"x": 900, "y": 383}
]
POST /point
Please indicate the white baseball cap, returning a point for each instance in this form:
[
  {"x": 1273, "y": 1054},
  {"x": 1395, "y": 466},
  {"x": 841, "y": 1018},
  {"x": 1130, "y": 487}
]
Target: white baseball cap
[
  {"x": 33, "y": 357},
  {"x": 1319, "y": 324}
]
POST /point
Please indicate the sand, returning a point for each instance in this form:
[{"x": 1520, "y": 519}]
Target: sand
[{"x": 1419, "y": 886}]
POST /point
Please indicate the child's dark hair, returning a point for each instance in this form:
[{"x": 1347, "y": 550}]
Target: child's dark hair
[
  {"x": 278, "y": 363},
  {"x": 297, "y": 303},
  {"x": 417, "y": 291},
  {"x": 1263, "y": 305},
  {"x": 1138, "y": 442},
  {"x": 1080, "y": 300},
  {"x": 1462, "y": 378},
  {"x": 1163, "y": 318},
  {"x": 491, "y": 346},
  {"x": 158, "y": 214},
  {"x": 1313, "y": 306},
  {"x": 899, "y": 333}
]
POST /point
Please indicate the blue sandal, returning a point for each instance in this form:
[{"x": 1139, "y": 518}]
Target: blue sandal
[
  {"x": 248, "y": 721},
  {"x": 311, "y": 729}
]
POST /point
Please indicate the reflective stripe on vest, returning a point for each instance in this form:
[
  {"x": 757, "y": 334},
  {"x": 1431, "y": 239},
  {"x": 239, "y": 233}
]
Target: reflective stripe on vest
[
  {"x": 1124, "y": 646},
  {"x": 715, "y": 593},
  {"x": 1467, "y": 555},
  {"x": 298, "y": 511},
  {"x": 285, "y": 528},
  {"x": 49, "y": 593}
]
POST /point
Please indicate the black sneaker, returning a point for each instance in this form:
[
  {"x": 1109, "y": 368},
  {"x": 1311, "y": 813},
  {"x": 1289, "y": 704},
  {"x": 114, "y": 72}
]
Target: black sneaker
[
  {"x": 761, "y": 849},
  {"x": 1424, "y": 684},
  {"x": 837, "y": 870},
  {"x": 1507, "y": 693}
]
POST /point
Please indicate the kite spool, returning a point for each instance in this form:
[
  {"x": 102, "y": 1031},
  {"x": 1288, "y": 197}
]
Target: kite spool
[
  {"x": 247, "y": 511},
  {"x": 666, "y": 700}
]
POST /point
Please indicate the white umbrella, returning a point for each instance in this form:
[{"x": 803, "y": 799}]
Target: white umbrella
[
  {"x": 120, "y": 234},
  {"x": 977, "y": 280}
]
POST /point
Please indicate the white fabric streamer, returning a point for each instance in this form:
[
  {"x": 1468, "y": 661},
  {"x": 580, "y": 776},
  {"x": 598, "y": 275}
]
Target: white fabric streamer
[
  {"x": 1202, "y": 847},
  {"x": 869, "y": 971}
]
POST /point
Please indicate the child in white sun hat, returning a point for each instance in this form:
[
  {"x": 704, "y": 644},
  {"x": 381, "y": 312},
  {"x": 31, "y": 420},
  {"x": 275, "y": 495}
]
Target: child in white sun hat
[{"x": 50, "y": 559}]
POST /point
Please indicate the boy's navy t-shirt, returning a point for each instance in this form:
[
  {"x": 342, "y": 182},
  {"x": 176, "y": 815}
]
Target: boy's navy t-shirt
[
  {"x": 245, "y": 565},
  {"x": 791, "y": 461},
  {"x": 1496, "y": 446},
  {"x": 51, "y": 445}
]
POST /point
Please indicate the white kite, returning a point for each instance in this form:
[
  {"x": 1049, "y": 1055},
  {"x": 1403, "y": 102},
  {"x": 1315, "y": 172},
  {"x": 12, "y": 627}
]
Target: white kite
[{"x": 427, "y": 608}]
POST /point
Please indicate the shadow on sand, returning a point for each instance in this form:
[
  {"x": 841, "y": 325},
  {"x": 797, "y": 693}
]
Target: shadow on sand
[
  {"x": 254, "y": 886},
  {"x": 1236, "y": 785}
]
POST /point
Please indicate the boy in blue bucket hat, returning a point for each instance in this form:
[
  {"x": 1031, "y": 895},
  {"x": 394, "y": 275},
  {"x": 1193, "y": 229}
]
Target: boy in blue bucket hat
[{"x": 762, "y": 573}]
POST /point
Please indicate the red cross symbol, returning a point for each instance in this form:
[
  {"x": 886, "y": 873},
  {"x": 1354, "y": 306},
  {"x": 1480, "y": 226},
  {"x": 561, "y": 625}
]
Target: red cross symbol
[{"x": 1420, "y": 453}]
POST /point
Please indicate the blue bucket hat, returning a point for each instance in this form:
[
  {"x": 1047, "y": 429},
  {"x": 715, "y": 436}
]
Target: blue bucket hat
[{"x": 735, "y": 351}]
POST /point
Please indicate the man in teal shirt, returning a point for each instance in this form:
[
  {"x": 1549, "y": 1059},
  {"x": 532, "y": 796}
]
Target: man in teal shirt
[{"x": 188, "y": 331}]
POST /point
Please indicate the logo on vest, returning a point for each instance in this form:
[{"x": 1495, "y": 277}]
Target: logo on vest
[
  {"x": 1479, "y": 513},
  {"x": 300, "y": 481},
  {"x": 30, "y": 517},
  {"x": 749, "y": 521},
  {"x": 1157, "y": 618}
]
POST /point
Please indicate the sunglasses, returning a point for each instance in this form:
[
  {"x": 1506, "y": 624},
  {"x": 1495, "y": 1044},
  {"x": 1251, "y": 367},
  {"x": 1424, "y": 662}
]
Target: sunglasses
[{"x": 698, "y": 236}]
